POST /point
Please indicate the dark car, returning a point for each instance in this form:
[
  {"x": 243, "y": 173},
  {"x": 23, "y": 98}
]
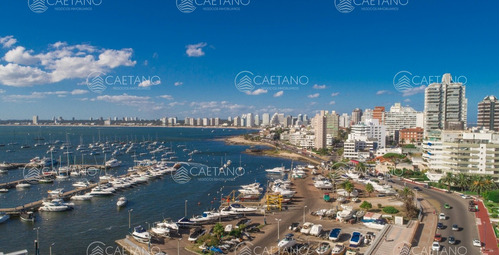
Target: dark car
[
  {"x": 440, "y": 225},
  {"x": 451, "y": 240},
  {"x": 417, "y": 188},
  {"x": 294, "y": 226},
  {"x": 243, "y": 222}
]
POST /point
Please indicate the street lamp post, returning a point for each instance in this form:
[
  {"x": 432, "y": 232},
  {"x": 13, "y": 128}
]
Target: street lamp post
[
  {"x": 129, "y": 221},
  {"x": 50, "y": 248},
  {"x": 37, "y": 245},
  {"x": 185, "y": 208},
  {"x": 278, "y": 228},
  {"x": 304, "y": 215},
  {"x": 178, "y": 246}
]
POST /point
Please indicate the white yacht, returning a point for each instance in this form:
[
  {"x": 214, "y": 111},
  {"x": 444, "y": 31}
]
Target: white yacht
[
  {"x": 102, "y": 191},
  {"x": 23, "y": 185},
  {"x": 141, "y": 235},
  {"x": 84, "y": 197},
  {"x": 113, "y": 163},
  {"x": 122, "y": 201},
  {"x": 55, "y": 205},
  {"x": 277, "y": 170},
  {"x": 242, "y": 209},
  {"x": 287, "y": 242},
  {"x": 57, "y": 193},
  {"x": 81, "y": 184}
]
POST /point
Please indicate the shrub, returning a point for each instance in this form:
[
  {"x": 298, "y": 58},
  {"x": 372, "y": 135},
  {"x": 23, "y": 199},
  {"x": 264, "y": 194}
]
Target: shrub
[
  {"x": 365, "y": 205},
  {"x": 390, "y": 210},
  {"x": 379, "y": 206}
]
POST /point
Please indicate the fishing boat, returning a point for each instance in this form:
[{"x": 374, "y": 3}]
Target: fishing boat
[
  {"x": 287, "y": 242},
  {"x": 27, "y": 216},
  {"x": 122, "y": 201},
  {"x": 323, "y": 248},
  {"x": 141, "y": 235},
  {"x": 338, "y": 249},
  {"x": 334, "y": 234},
  {"x": 4, "y": 217}
]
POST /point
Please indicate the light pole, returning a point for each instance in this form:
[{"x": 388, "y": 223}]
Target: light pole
[
  {"x": 185, "y": 208},
  {"x": 278, "y": 228},
  {"x": 149, "y": 225},
  {"x": 50, "y": 248},
  {"x": 304, "y": 215},
  {"x": 178, "y": 246},
  {"x": 37, "y": 245},
  {"x": 129, "y": 222}
]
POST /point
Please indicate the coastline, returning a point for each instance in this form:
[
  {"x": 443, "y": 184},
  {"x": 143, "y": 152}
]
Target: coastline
[
  {"x": 131, "y": 126},
  {"x": 273, "y": 152}
]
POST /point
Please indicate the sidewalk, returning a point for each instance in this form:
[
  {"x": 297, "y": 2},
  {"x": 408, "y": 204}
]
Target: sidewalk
[
  {"x": 424, "y": 237},
  {"x": 485, "y": 229}
]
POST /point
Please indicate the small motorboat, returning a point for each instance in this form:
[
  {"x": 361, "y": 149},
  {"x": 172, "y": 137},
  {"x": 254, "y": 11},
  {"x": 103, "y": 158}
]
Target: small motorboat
[
  {"x": 356, "y": 239},
  {"x": 197, "y": 233},
  {"x": 141, "y": 235},
  {"x": 306, "y": 228},
  {"x": 287, "y": 242},
  {"x": 122, "y": 201},
  {"x": 84, "y": 197},
  {"x": 57, "y": 193},
  {"x": 323, "y": 248},
  {"x": 4, "y": 217},
  {"x": 27, "y": 216},
  {"x": 23, "y": 185},
  {"x": 338, "y": 249},
  {"x": 4, "y": 190},
  {"x": 334, "y": 234}
]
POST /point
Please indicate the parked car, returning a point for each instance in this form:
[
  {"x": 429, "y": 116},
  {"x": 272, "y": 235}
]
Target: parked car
[
  {"x": 436, "y": 246},
  {"x": 437, "y": 237},
  {"x": 455, "y": 227},
  {"x": 442, "y": 216},
  {"x": 477, "y": 243},
  {"x": 464, "y": 196},
  {"x": 440, "y": 225},
  {"x": 451, "y": 240}
]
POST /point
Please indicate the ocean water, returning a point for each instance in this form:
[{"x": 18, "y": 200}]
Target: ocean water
[{"x": 99, "y": 220}]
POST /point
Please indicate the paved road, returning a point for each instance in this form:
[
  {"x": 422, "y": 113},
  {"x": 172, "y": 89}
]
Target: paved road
[{"x": 457, "y": 214}]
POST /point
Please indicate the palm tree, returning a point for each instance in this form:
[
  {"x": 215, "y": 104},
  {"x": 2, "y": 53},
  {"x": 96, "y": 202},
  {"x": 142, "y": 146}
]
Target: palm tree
[
  {"x": 369, "y": 188},
  {"x": 349, "y": 188},
  {"x": 462, "y": 181},
  {"x": 360, "y": 167},
  {"x": 448, "y": 179},
  {"x": 480, "y": 184},
  {"x": 408, "y": 197}
]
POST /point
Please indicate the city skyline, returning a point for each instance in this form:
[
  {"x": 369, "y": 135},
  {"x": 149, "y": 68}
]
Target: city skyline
[{"x": 174, "y": 73}]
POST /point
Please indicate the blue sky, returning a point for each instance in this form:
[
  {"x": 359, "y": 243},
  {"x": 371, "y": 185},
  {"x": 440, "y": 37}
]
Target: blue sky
[{"x": 353, "y": 56}]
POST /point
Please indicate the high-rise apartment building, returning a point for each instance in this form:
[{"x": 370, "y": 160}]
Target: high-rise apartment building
[
  {"x": 445, "y": 105},
  {"x": 487, "y": 113},
  {"x": 356, "y": 116},
  {"x": 319, "y": 123}
]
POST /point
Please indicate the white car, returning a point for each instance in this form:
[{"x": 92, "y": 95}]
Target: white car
[
  {"x": 442, "y": 216},
  {"x": 477, "y": 243},
  {"x": 436, "y": 246},
  {"x": 465, "y": 196}
]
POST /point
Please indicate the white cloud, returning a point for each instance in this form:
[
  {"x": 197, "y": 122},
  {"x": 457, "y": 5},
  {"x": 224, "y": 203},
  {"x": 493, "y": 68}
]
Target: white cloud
[
  {"x": 178, "y": 83},
  {"x": 313, "y": 95},
  {"x": 7, "y": 41},
  {"x": 414, "y": 91},
  {"x": 176, "y": 103},
  {"x": 334, "y": 94},
  {"x": 195, "y": 50},
  {"x": 256, "y": 92},
  {"x": 2, "y": 91},
  {"x": 59, "y": 62},
  {"x": 278, "y": 94},
  {"x": 383, "y": 92},
  {"x": 313, "y": 103},
  {"x": 143, "y": 103},
  {"x": 168, "y": 97},
  {"x": 79, "y": 92},
  {"x": 149, "y": 83},
  {"x": 407, "y": 100},
  {"x": 316, "y": 86},
  {"x": 332, "y": 103}
]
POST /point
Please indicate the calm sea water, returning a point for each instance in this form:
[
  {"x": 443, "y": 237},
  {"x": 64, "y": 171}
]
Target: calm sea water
[{"x": 99, "y": 219}]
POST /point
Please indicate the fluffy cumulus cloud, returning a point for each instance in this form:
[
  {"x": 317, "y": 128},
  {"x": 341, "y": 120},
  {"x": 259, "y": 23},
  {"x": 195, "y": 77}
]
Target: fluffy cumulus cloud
[
  {"x": 195, "y": 50},
  {"x": 40, "y": 95},
  {"x": 178, "y": 83},
  {"x": 332, "y": 103},
  {"x": 383, "y": 92},
  {"x": 316, "y": 86},
  {"x": 256, "y": 92},
  {"x": 149, "y": 83},
  {"x": 334, "y": 94},
  {"x": 315, "y": 95},
  {"x": 23, "y": 67},
  {"x": 208, "y": 107},
  {"x": 278, "y": 94},
  {"x": 7, "y": 41}
]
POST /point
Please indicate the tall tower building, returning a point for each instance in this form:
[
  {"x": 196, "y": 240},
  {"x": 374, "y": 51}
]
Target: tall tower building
[
  {"x": 356, "y": 116},
  {"x": 445, "y": 105},
  {"x": 265, "y": 119},
  {"x": 487, "y": 113},
  {"x": 378, "y": 114},
  {"x": 319, "y": 122},
  {"x": 35, "y": 120},
  {"x": 332, "y": 124}
]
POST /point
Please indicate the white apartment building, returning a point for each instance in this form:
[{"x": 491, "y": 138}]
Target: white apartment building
[
  {"x": 300, "y": 139},
  {"x": 370, "y": 129},
  {"x": 401, "y": 117},
  {"x": 469, "y": 152}
]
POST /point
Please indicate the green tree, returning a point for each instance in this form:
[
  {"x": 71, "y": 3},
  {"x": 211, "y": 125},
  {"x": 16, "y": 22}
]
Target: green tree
[
  {"x": 462, "y": 181},
  {"x": 365, "y": 205},
  {"x": 349, "y": 188},
  {"x": 448, "y": 178},
  {"x": 369, "y": 188},
  {"x": 408, "y": 197},
  {"x": 218, "y": 230}
]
